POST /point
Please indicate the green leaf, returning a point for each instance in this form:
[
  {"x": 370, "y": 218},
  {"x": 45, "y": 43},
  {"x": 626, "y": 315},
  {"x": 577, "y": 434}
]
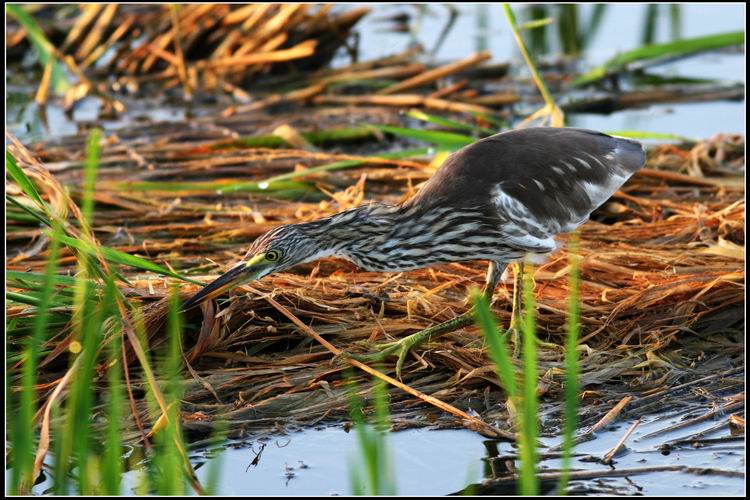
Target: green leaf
[
  {"x": 638, "y": 134},
  {"x": 315, "y": 138},
  {"x": 22, "y": 278},
  {"x": 42, "y": 46},
  {"x": 23, "y": 298},
  {"x": 571, "y": 360},
  {"x": 446, "y": 122},
  {"x": 339, "y": 165},
  {"x": 445, "y": 140},
  {"x": 34, "y": 214},
  {"x": 511, "y": 15},
  {"x": 91, "y": 167},
  {"x": 118, "y": 257},
  {"x": 484, "y": 318},
  {"x": 530, "y": 403},
  {"x": 20, "y": 178},
  {"x": 536, "y": 23},
  {"x": 671, "y": 50}
]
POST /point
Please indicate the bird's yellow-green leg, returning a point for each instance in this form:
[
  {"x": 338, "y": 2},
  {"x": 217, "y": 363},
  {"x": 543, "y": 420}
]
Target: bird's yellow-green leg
[
  {"x": 403, "y": 346},
  {"x": 517, "y": 313}
]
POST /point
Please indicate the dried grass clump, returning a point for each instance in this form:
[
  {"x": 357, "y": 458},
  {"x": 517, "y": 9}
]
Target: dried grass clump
[
  {"x": 196, "y": 46},
  {"x": 662, "y": 289}
]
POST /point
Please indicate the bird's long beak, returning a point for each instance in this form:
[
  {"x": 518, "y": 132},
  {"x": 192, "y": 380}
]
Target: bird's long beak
[{"x": 242, "y": 273}]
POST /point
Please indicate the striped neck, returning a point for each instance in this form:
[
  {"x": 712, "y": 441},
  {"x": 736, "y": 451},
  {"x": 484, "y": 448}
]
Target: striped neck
[{"x": 381, "y": 237}]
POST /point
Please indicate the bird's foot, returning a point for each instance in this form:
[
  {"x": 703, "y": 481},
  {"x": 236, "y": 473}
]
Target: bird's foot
[
  {"x": 398, "y": 348},
  {"x": 549, "y": 345},
  {"x": 516, "y": 335},
  {"x": 516, "y": 339},
  {"x": 402, "y": 347}
]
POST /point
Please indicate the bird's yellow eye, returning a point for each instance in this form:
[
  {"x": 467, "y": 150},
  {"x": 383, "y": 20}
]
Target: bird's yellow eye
[{"x": 273, "y": 255}]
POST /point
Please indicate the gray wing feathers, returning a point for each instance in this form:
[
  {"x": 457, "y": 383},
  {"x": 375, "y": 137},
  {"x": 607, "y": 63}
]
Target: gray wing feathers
[{"x": 535, "y": 182}]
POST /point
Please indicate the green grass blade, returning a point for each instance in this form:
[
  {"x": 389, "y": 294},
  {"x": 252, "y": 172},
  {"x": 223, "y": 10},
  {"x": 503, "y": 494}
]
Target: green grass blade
[
  {"x": 112, "y": 468},
  {"x": 445, "y": 140},
  {"x": 536, "y": 23},
  {"x": 315, "y": 138},
  {"x": 499, "y": 352},
  {"x": 33, "y": 213},
  {"x": 22, "y": 298},
  {"x": 43, "y": 47},
  {"x": 418, "y": 114},
  {"x": 91, "y": 167},
  {"x": 385, "y": 476},
  {"x": 13, "y": 215},
  {"x": 92, "y": 334},
  {"x": 639, "y": 134},
  {"x": 371, "y": 473},
  {"x": 23, "y": 431},
  {"x": 538, "y": 39},
  {"x": 568, "y": 29},
  {"x": 170, "y": 438},
  {"x": 557, "y": 118},
  {"x": 529, "y": 416},
  {"x": 680, "y": 48},
  {"x": 118, "y": 257},
  {"x": 339, "y": 165},
  {"x": 23, "y": 279},
  {"x": 56, "y": 445},
  {"x": 571, "y": 362},
  {"x": 20, "y": 178}
]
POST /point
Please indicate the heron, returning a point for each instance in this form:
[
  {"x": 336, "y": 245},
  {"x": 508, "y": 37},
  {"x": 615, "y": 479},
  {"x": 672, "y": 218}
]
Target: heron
[{"x": 501, "y": 199}]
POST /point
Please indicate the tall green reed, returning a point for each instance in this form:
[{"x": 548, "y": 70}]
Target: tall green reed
[
  {"x": 169, "y": 477},
  {"x": 112, "y": 462},
  {"x": 45, "y": 50},
  {"x": 530, "y": 404},
  {"x": 574, "y": 33},
  {"x": 522, "y": 397},
  {"x": 372, "y": 471},
  {"x": 88, "y": 316},
  {"x": 524, "y": 404},
  {"x": 22, "y": 432},
  {"x": 571, "y": 361},
  {"x": 88, "y": 458}
]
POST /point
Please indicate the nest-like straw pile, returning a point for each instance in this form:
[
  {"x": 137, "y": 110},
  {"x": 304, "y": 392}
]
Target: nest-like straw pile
[
  {"x": 662, "y": 297},
  {"x": 109, "y": 50}
]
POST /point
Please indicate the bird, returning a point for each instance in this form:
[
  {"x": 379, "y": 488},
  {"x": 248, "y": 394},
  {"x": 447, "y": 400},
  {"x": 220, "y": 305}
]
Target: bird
[{"x": 502, "y": 199}]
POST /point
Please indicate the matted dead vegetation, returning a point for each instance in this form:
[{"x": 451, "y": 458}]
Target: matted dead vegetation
[
  {"x": 662, "y": 282},
  {"x": 195, "y": 46},
  {"x": 662, "y": 294}
]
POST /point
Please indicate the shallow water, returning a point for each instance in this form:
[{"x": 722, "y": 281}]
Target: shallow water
[{"x": 441, "y": 462}]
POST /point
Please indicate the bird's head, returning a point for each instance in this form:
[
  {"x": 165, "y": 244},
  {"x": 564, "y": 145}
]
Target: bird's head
[{"x": 276, "y": 250}]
